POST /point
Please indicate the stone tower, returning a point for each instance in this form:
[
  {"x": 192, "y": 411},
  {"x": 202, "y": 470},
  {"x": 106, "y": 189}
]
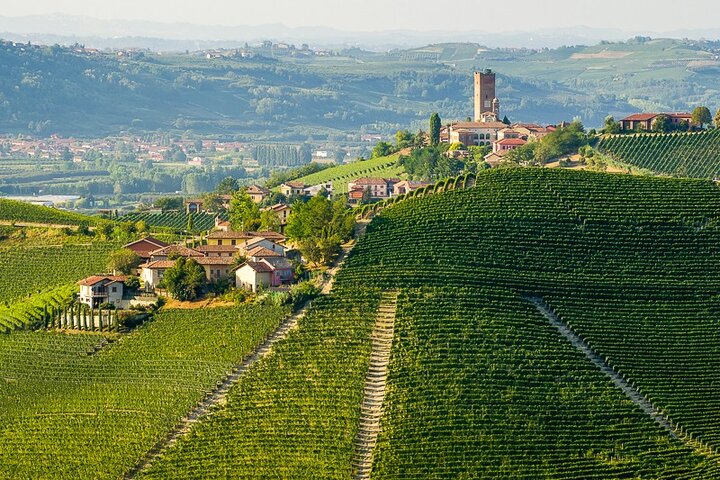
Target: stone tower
[{"x": 484, "y": 92}]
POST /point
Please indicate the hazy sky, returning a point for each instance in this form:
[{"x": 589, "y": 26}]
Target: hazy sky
[{"x": 368, "y": 15}]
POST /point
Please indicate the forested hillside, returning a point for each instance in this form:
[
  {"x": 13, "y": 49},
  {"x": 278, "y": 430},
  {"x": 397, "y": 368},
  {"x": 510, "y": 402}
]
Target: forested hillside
[{"x": 45, "y": 90}]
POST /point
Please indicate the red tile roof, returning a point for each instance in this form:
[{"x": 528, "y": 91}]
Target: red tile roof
[
  {"x": 262, "y": 252},
  {"x": 258, "y": 266},
  {"x": 511, "y": 141},
  {"x": 640, "y": 117},
  {"x": 179, "y": 249},
  {"x": 95, "y": 279}
]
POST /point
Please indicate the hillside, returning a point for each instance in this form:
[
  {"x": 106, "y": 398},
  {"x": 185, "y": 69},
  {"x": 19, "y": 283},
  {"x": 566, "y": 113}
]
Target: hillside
[
  {"x": 479, "y": 382},
  {"x": 694, "y": 155},
  {"x": 340, "y": 175},
  {"x": 541, "y": 324},
  {"x": 12, "y": 211},
  {"x": 273, "y": 97}
]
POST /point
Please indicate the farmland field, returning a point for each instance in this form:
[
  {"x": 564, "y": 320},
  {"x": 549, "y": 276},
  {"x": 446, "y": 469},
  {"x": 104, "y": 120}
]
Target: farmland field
[
  {"x": 694, "y": 155},
  {"x": 342, "y": 174},
  {"x": 479, "y": 383},
  {"x": 16, "y": 211},
  {"x": 65, "y": 411},
  {"x": 175, "y": 220}
]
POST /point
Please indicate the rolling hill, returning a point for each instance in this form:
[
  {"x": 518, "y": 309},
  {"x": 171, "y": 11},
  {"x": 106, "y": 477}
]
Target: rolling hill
[
  {"x": 541, "y": 324},
  {"x": 274, "y": 96}
]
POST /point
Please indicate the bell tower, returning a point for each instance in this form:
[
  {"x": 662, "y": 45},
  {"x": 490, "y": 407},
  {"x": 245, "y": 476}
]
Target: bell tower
[{"x": 484, "y": 92}]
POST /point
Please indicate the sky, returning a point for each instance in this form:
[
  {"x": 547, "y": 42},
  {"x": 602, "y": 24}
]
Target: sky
[{"x": 375, "y": 15}]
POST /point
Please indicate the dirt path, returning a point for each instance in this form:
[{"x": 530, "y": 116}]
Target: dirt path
[
  {"x": 632, "y": 393},
  {"x": 217, "y": 397},
  {"x": 374, "y": 395}
]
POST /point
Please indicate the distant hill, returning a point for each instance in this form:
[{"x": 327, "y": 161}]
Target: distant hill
[{"x": 281, "y": 94}]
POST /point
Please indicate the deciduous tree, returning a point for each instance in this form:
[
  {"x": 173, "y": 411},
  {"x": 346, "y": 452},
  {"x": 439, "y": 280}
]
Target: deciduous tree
[{"x": 701, "y": 116}]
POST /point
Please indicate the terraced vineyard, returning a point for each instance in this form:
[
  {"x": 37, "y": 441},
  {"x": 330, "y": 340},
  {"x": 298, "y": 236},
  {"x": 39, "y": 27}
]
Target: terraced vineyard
[
  {"x": 385, "y": 167},
  {"x": 32, "y": 312},
  {"x": 14, "y": 211},
  {"x": 69, "y": 412},
  {"x": 27, "y": 270},
  {"x": 680, "y": 154},
  {"x": 480, "y": 382},
  {"x": 175, "y": 220}
]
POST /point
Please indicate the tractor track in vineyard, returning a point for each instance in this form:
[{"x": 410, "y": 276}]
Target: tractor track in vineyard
[{"x": 620, "y": 382}]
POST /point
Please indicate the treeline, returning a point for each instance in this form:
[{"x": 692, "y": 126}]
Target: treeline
[{"x": 282, "y": 155}]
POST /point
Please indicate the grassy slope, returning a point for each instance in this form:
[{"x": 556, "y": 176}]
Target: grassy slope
[
  {"x": 539, "y": 231},
  {"x": 15, "y": 211},
  {"x": 342, "y": 174}
]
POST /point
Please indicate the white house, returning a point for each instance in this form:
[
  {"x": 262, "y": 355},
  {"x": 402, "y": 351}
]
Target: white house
[
  {"x": 253, "y": 275},
  {"x": 100, "y": 289}
]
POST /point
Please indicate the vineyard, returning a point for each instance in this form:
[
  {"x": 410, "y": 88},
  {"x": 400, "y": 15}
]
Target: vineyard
[
  {"x": 695, "y": 155},
  {"x": 33, "y": 311},
  {"x": 28, "y": 270},
  {"x": 480, "y": 384},
  {"x": 295, "y": 415},
  {"x": 72, "y": 412},
  {"x": 15, "y": 211},
  {"x": 175, "y": 220},
  {"x": 385, "y": 167}
]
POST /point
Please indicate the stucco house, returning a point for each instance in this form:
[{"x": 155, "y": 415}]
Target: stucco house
[
  {"x": 268, "y": 272},
  {"x": 99, "y": 289}
]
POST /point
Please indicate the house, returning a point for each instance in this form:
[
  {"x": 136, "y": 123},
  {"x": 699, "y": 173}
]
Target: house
[
  {"x": 473, "y": 133},
  {"x": 356, "y": 194},
  {"x": 407, "y": 186},
  {"x": 193, "y": 206},
  {"x": 99, "y": 289},
  {"x": 174, "y": 251},
  {"x": 378, "y": 187},
  {"x": 218, "y": 250},
  {"x": 644, "y": 121},
  {"x": 290, "y": 189},
  {"x": 257, "y": 194},
  {"x": 493, "y": 159},
  {"x": 507, "y": 144},
  {"x": 282, "y": 211},
  {"x": 237, "y": 238},
  {"x": 222, "y": 225},
  {"x": 316, "y": 189},
  {"x": 256, "y": 254},
  {"x": 215, "y": 268},
  {"x": 253, "y": 275},
  {"x": 145, "y": 246},
  {"x": 268, "y": 272},
  {"x": 255, "y": 242}
]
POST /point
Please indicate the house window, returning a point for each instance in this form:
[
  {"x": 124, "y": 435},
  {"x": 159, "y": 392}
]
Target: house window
[
  {"x": 114, "y": 289},
  {"x": 232, "y": 242}
]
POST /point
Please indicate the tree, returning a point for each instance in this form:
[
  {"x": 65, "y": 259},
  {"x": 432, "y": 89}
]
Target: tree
[
  {"x": 506, "y": 120},
  {"x": 169, "y": 203},
  {"x": 717, "y": 119},
  {"x": 319, "y": 227},
  {"x": 185, "y": 279},
  {"x": 227, "y": 186},
  {"x": 661, "y": 124},
  {"x": 435, "y": 124},
  {"x": 244, "y": 213},
  {"x": 611, "y": 126},
  {"x": 382, "y": 149},
  {"x": 269, "y": 221},
  {"x": 123, "y": 261},
  {"x": 701, "y": 116},
  {"x": 404, "y": 139},
  {"x": 198, "y": 145},
  {"x": 190, "y": 223}
]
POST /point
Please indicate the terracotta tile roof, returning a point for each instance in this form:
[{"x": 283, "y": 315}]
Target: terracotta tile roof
[
  {"x": 210, "y": 261},
  {"x": 262, "y": 252},
  {"x": 369, "y": 181},
  {"x": 216, "y": 248},
  {"x": 274, "y": 236},
  {"x": 95, "y": 279},
  {"x": 511, "y": 141},
  {"x": 158, "y": 265},
  {"x": 179, "y": 249},
  {"x": 256, "y": 189},
  {"x": 258, "y": 266},
  {"x": 151, "y": 240},
  {"x": 478, "y": 125},
  {"x": 295, "y": 184}
]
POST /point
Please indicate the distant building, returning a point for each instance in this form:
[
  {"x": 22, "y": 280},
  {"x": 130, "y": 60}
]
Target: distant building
[
  {"x": 292, "y": 188},
  {"x": 145, "y": 246},
  {"x": 644, "y": 121},
  {"x": 474, "y": 133},
  {"x": 257, "y": 194},
  {"x": 485, "y": 99},
  {"x": 377, "y": 187},
  {"x": 407, "y": 186},
  {"x": 96, "y": 290},
  {"x": 505, "y": 145}
]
